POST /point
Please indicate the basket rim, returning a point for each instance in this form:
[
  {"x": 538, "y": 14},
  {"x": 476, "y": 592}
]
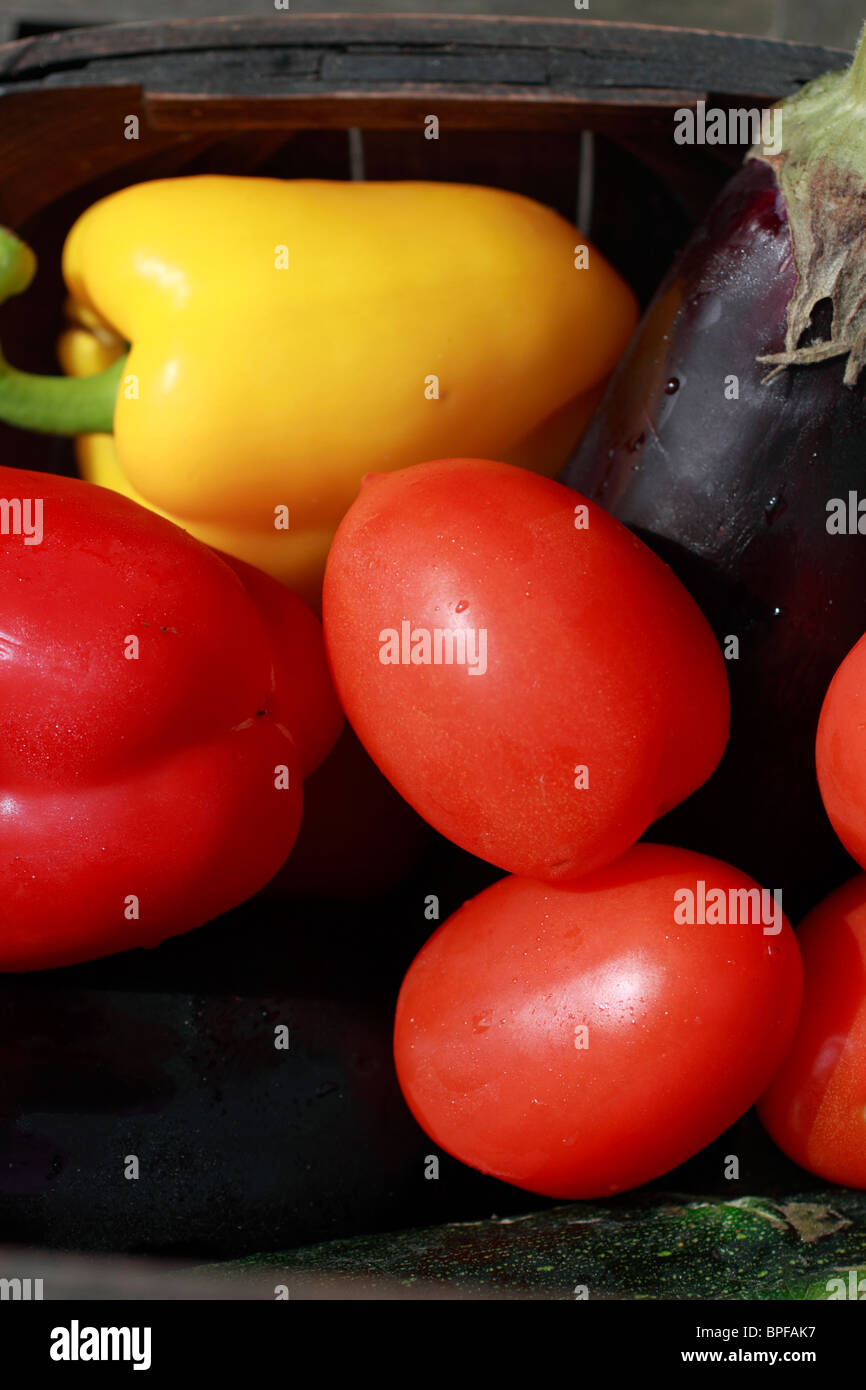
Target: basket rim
[{"x": 663, "y": 57}]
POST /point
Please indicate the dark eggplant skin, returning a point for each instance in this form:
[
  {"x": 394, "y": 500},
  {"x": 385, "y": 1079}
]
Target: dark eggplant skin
[
  {"x": 168, "y": 1055},
  {"x": 733, "y": 495}
]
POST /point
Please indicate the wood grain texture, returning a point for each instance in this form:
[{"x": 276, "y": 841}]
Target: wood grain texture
[
  {"x": 191, "y": 77},
  {"x": 340, "y": 51}
]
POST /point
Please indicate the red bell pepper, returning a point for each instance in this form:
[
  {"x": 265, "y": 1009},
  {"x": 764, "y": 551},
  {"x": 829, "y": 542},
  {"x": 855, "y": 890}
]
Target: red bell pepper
[{"x": 159, "y": 706}]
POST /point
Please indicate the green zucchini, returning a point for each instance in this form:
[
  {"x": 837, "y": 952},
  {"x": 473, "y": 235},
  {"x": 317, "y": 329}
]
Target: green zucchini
[{"x": 810, "y": 1246}]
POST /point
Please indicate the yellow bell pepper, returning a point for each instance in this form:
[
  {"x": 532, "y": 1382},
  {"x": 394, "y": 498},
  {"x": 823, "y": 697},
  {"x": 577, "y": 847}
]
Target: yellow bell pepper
[{"x": 288, "y": 336}]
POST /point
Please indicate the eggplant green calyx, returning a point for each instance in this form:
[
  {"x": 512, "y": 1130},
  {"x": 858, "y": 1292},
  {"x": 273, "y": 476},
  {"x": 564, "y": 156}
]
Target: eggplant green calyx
[
  {"x": 821, "y": 171},
  {"x": 50, "y": 404}
]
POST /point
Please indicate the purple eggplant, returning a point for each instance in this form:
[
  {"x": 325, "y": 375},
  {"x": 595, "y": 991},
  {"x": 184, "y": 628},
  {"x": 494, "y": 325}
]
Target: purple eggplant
[{"x": 732, "y": 439}]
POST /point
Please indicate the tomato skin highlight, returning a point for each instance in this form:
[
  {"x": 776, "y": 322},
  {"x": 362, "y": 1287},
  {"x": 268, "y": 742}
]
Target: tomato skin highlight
[
  {"x": 686, "y": 1025},
  {"x": 595, "y": 657},
  {"x": 840, "y": 752},
  {"x": 815, "y": 1107}
]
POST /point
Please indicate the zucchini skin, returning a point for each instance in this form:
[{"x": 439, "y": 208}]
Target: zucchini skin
[
  {"x": 643, "y": 1246},
  {"x": 733, "y": 493}
]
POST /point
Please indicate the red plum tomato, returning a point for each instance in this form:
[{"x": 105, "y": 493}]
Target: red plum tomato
[
  {"x": 581, "y": 1039},
  {"x": 840, "y": 752},
  {"x": 815, "y": 1107},
  {"x": 531, "y": 678}
]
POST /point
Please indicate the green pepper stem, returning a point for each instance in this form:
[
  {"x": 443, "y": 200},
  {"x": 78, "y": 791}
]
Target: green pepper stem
[{"x": 50, "y": 404}]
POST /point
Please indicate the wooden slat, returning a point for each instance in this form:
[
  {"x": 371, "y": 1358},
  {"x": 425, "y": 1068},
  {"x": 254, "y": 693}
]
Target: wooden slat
[
  {"x": 405, "y": 107},
  {"x": 195, "y": 76},
  {"x": 362, "y": 52},
  {"x": 55, "y": 141}
]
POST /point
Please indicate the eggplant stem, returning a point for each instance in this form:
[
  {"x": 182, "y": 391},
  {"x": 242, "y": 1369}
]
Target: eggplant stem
[
  {"x": 815, "y": 352},
  {"x": 821, "y": 173}
]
